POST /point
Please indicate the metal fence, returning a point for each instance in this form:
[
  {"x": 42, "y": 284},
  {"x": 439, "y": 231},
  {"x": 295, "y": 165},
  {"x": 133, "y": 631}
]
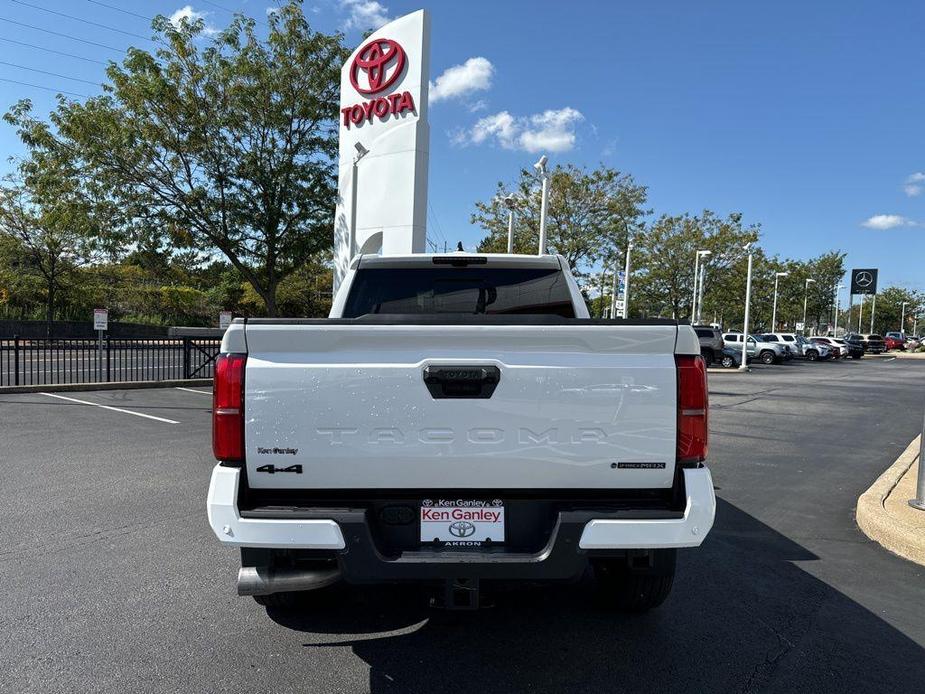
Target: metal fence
[{"x": 47, "y": 361}]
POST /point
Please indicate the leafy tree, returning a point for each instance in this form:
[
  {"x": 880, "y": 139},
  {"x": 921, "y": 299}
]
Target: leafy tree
[
  {"x": 888, "y": 316},
  {"x": 663, "y": 282},
  {"x": 589, "y": 214},
  {"x": 47, "y": 237},
  {"x": 227, "y": 149}
]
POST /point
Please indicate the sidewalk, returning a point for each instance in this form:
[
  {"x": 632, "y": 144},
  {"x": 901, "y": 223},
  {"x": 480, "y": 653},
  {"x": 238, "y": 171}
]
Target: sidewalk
[{"x": 883, "y": 511}]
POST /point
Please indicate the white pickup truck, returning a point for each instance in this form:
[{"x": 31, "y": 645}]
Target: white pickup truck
[{"x": 460, "y": 421}]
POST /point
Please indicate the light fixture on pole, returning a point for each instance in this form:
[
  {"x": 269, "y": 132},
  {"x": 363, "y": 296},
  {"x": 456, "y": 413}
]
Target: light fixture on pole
[
  {"x": 748, "y": 296},
  {"x": 809, "y": 281},
  {"x": 697, "y": 258},
  {"x": 509, "y": 202},
  {"x": 361, "y": 152},
  {"x": 540, "y": 167},
  {"x": 777, "y": 277},
  {"x": 902, "y": 319}
]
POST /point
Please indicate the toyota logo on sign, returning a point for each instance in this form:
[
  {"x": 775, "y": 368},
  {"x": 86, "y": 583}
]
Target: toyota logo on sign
[
  {"x": 381, "y": 62},
  {"x": 462, "y": 529}
]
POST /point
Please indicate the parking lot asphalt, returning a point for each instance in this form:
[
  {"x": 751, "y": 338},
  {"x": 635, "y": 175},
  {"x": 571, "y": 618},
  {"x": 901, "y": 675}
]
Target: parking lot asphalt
[{"x": 112, "y": 581}]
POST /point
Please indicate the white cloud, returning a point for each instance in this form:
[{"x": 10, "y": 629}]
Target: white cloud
[
  {"x": 887, "y": 221},
  {"x": 500, "y": 125},
  {"x": 477, "y": 106},
  {"x": 190, "y": 15},
  {"x": 549, "y": 131},
  {"x": 460, "y": 80},
  {"x": 915, "y": 184},
  {"x": 365, "y": 14}
]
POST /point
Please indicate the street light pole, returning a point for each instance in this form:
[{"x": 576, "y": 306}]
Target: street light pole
[
  {"x": 835, "y": 322},
  {"x": 626, "y": 278},
  {"x": 873, "y": 312},
  {"x": 540, "y": 167},
  {"x": 694, "y": 295},
  {"x": 613, "y": 291},
  {"x": 777, "y": 277},
  {"x": 703, "y": 274},
  {"x": 694, "y": 309},
  {"x": 809, "y": 281},
  {"x": 361, "y": 152},
  {"x": 509, "y": 203},
  {"x": 748, "y": 295},
  {"x": 902, "y": 320}
]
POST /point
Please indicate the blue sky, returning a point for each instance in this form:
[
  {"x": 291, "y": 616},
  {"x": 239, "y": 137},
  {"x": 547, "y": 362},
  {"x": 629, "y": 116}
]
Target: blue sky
[{"x": 808, "y": 117}]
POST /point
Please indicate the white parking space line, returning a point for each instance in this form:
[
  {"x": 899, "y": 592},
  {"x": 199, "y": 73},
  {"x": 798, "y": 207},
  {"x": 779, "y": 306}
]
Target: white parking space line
[
  {"x": 114, "y": 409},
  {"x": 193, "y": 390}
]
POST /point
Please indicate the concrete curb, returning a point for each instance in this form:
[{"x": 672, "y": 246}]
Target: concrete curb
[
  {"x": 891, "y": 530},
  {"x": 115, "y": 385}
]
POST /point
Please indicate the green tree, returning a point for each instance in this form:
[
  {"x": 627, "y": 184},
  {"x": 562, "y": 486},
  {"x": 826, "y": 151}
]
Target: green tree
[
  {"x": 230, "y": 148},
  {"x": 47, "y": 236},
  {"x": 589, "y": 214},
  {"x": 888, "y": 316},
  {"x": 663, "y": 283}
]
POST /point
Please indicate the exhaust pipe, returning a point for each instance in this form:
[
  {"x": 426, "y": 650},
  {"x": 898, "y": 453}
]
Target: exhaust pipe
[{"x": 263, "y": 580}]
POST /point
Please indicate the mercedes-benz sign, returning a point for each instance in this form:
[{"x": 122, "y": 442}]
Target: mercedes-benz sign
[{"x": 864, "y": 281}]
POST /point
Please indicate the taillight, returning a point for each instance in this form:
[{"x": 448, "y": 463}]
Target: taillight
[
  {"x": 228, "y": 408},
  {"x": 692, "y": 409}
]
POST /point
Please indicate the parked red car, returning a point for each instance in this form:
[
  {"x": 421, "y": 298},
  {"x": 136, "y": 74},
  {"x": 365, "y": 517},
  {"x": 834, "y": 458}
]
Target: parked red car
[{"x": 891, "y": 342}]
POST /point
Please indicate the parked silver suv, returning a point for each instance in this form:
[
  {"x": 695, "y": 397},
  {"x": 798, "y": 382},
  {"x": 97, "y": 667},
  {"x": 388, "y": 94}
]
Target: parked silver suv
[
  {"x": 758, "y": 348},
  {"x": 800, "y": 345}
]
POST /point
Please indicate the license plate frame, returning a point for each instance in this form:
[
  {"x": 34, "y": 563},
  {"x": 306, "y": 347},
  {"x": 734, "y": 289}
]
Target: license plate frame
[{"x": 462, "y": 522}]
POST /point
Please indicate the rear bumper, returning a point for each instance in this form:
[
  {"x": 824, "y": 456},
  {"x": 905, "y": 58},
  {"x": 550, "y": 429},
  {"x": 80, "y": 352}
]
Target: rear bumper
[{"x": 577, "y": 536}]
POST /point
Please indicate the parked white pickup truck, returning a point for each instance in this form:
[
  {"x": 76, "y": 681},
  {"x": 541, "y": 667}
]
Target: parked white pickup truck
[{"x": 461, "y": 422}]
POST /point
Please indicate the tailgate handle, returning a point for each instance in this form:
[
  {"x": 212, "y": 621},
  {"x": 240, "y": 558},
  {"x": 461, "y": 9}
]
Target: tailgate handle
[{"x": 461, "y": 381}]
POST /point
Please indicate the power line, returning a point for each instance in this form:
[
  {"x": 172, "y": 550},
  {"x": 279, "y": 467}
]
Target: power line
[
  {"x": 58, "y": 33},
  {"x": 53, "y": 74},
  {"x": 52, "y": 50},
  {"x": 39, "y": 86},
  {"x": 119, "y": 9},
  {"x": 225, "y": 9},
  {"x": 80, "y": 19}
]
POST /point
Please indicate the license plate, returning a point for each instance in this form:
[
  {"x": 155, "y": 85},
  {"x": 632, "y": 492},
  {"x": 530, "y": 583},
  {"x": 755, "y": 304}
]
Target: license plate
[{"x": 462, "y": 522}]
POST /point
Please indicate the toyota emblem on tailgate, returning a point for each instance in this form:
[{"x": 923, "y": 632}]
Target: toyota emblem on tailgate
[{"x": 462, "y": 529}]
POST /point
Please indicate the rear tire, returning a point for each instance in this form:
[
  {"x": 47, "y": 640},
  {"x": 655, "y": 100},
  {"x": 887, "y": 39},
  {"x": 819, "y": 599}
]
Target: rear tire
[
  {"x": 767, "y": 357},
  {"x": 856, "y": 356},
  {"x": 623, "y": 587},
  {"x": 707, "y": 355},
  {"x": 812, "y": 355},
  {"x": 728, "y": 362}
]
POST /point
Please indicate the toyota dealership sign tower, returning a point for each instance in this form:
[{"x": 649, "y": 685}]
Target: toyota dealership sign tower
[{"x": 384, "y": 144}]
